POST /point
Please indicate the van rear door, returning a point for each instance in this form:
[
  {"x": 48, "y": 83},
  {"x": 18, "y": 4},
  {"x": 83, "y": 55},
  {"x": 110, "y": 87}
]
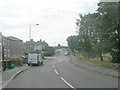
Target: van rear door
[{"x": 32, "y": 58}]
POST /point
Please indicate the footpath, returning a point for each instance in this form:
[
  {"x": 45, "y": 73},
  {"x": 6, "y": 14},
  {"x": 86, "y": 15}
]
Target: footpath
[
  {"x": 92, "y": 67},
  {"x": 0, "y": 80},
  {"x": 10, "y": 74}
]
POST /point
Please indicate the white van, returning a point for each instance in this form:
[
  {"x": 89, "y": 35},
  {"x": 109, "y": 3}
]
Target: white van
[{"x": 35, "y": 59}]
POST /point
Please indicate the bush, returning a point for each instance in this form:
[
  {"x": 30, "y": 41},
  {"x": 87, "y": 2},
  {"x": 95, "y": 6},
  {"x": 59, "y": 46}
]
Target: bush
[
  {"x": 17, "y": 61},
  {"x": 50, "y": 51}
]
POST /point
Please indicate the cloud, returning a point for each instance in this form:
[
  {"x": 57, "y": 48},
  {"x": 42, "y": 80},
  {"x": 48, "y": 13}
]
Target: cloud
[{"x": 56, "y": 18}]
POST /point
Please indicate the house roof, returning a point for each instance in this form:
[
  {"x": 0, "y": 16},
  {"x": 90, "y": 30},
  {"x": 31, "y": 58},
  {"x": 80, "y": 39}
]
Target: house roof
[{"x": 13, "y": 38}]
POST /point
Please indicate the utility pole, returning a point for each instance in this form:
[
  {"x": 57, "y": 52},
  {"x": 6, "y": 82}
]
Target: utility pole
[{"x": 3, "y": 65}]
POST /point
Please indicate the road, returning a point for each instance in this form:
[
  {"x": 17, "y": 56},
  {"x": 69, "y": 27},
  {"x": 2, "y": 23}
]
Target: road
[{"x": 58, "y": 72}]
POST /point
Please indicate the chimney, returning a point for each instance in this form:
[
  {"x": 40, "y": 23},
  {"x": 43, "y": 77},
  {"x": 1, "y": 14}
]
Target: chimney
[
  {"x": 31, "y": 39},
  {"x": 40, "y": 40}
]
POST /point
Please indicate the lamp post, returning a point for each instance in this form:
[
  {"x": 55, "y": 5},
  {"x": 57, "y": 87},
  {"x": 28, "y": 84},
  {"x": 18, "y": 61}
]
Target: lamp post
[{"x": 30, "y": 29}]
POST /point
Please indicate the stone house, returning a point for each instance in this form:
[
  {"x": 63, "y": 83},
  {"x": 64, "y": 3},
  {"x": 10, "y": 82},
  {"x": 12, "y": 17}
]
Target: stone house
[
  {"x": 32, "y": 46},
  {"x": 13, "y": 47},
  {"x": 29, "y": 46}
]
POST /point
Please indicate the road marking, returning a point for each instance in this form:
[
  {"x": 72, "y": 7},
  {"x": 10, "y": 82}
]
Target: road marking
[
  {"x": 68, "y": 83},
  {"x": 64, "y": 79},
  {"x": 56, "y": 71}
]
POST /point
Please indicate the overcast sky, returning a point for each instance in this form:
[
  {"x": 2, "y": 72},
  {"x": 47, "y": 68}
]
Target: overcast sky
[{"x": 56, "y": 18}]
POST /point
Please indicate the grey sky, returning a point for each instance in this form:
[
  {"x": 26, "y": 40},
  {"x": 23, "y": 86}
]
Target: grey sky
[{"x": 56, "y": 18}]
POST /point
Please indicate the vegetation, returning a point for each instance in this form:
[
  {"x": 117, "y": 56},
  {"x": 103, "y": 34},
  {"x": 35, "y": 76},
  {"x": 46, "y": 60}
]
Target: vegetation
[
  {"x": 73, "y": 42},
  {"x": 106, "y": 63},
  {"x": 17, "y": 61},
  {"x": 50, "y": 51},
  {"x": 98, "y": 33}
]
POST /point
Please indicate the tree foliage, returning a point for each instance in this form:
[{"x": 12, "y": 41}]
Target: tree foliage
[
  {"x": 98, "y": 32},
  {"x": 50, "y": 51},
  {"x": 73, "y": 42}
]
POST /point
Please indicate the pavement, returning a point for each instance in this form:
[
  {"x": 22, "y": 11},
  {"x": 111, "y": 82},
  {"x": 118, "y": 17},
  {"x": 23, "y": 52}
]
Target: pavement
[
  {"x": 92, "y": 67},
  {"x": 0, "y": 80},
  {"x": 9, "y": 74}
]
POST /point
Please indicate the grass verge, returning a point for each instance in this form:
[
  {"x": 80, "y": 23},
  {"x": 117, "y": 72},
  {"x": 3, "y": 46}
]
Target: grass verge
[{"x": 106, "y": 63}]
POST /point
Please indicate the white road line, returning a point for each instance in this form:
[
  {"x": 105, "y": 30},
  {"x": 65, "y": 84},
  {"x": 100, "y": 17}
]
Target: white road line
[
  {"x": 67, "y": 83},
  {"x": 64, "y": 79},
  {"x": 56, "y": 71}
]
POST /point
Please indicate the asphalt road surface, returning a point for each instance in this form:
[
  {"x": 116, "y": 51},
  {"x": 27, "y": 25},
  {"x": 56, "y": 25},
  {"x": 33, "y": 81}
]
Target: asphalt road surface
[{"x": 58, "y": 72}]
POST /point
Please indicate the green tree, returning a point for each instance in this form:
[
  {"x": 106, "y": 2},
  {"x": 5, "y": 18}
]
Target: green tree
[
  {"x": 59, "y": 45},
  {"x": 89, "y": 34},
  {"x": 109, "y": 23},
  {"x": 99, "y": 31},
  {"x": 50, "y": 51},
  {"x": 73, "y": 42}
]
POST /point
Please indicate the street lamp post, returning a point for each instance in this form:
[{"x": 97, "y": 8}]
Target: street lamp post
[
  {"x": 30, "y": 32},
  {"x": 30, "y": 29}
]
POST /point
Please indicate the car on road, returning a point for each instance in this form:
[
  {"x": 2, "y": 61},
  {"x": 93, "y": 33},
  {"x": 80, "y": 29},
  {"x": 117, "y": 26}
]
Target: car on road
[{"x": 66, "y": 53}]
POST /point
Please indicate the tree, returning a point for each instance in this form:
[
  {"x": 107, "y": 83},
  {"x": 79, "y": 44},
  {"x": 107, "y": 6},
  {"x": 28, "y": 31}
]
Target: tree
[
  {"x": 59, "y": 45},
  {"x": 89, "y": 34},
  {"x": 73, "y": 42},
  {"x": 99, "y": 32},
  {"x": 110, "y": 31},
  {"x": 50, "y": 51}
]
